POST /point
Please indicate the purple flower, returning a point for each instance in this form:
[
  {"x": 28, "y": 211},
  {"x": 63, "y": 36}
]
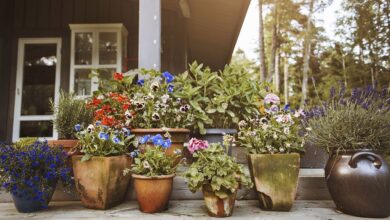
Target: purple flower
[
  {"x": 168, "y": 77},
  {"x": 141, "y": 82},
  {"x": 77, "y": 127},
  {"x": 170, "y": 88},
  {"x": 144, "y": 139},
  {"x": 271, "y": 99},
  {"x": 104, "y": 136},
  {"x": 167, "y": 143}
]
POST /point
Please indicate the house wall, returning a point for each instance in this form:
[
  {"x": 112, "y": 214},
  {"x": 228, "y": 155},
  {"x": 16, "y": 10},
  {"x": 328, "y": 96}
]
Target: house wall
[{"x": 51, "y": 18}]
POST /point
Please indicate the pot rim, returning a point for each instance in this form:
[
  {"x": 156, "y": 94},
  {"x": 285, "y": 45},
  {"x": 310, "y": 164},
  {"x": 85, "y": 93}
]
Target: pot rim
[
  {"x": 351, "y": 151},
  {"x": 80, "y": 156},
  {"x": 136, "y": 176},
  {"x": 249, "y": 154},
  {"x": 220, "y": 131},
  {"x": 159, "y": 130}
]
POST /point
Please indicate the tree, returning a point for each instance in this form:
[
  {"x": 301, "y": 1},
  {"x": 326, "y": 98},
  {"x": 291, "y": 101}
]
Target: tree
[{"x": 263, "y": 72}]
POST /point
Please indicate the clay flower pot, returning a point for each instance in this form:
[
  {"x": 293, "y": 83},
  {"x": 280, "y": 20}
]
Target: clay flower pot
[
  {"x": 359, "y": 183},
  {"x": 68, "y": 145},
  {"x": 276, "y": 179},
  {"x": 217, "y": 207},
  {"x": 100, "y": 182},
  {"x": 153, "y": 193},
  {"x": 178, "y": 136}
]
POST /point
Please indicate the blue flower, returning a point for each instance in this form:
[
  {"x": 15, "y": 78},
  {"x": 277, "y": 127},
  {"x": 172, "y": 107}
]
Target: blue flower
[
  {"x": 77, "y": 127},
  {"x": 134, "y": 153},
  {"x": 98, "y": 123},
  {"x": 287, "y": 107},
  {"x": 116, "y": 140},
  {"x": 103, "y": 136},
  {"x": 126, "y": 131},
  {"x": 144, "y": 139},
  {"x": 167, "y": 143},
  {"x": 141, "y": 82},
  {"x": 170, "y": 88},
  {"x": 168, "y": 77},
  {"x": 157, "y": 139}
]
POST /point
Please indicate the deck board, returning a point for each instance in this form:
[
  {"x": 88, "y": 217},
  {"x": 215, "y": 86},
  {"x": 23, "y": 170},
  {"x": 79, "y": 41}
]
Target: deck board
[{"x": 188, "y": 209}]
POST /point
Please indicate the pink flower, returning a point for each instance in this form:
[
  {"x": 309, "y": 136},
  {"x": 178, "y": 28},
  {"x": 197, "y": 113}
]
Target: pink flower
[
  {"x": 196, "y": 144},
  {"x": 271, "y": 98}
]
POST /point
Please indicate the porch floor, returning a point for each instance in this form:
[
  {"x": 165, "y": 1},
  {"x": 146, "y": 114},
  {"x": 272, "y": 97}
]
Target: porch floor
[{"x": 183, "y": 209}]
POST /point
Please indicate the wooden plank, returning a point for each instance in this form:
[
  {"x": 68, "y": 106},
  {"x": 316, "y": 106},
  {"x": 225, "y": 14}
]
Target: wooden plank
[
  {"x": 79, "y": 8},
  {"x": 91, "y": 11},
  {"x": 103, "y": 6},
  {"x": 43, "y": 12},
  {"x": 114, "y": 12},
  {"x": 30, "y": 12},
  {"x": 67, "y": 13},
  {"x": 19, "y": 14},
  {"x": 55, "y": 13}
]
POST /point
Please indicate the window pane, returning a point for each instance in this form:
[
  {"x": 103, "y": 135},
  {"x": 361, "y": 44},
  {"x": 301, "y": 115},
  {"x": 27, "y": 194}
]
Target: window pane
[
  {"x": 36, "y": 129},
  {"x": 83, "y": 48},
  {"x": 38, "y": 78},
  {"x": 107, "y": 48},
  {"x": 82, "y": 82},
  {"x": 104, "y": 75}
]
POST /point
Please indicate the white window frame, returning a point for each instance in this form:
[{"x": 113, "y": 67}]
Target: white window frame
[
  {"x": 95, "y": 29},
  {"x": 18, "y": 118}
]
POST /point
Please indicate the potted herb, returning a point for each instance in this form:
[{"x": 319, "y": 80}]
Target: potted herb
[
  {"x": 67, "y": 113},
  {"x": 146, "y": 105},
  {"x": 355, "y": 131},
  {"x": 98, "y": 173},
  {"x": 153, "y": 171},
  {"x": 273, "y": 143},
  {"x": 219, "y": 100},
  {"x": 217, "y": 174},
  {"x": 30, "y": 171}
]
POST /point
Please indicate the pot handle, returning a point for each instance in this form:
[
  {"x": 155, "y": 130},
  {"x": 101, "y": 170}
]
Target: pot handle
[{"x": 369, "y": 155}]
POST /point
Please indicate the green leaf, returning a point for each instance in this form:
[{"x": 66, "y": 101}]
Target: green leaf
[{"x": 85, "y": 157}]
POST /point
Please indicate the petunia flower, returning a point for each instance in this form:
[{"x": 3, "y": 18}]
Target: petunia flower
[
  {"x": 141, "y": 82},
  {"x": 167, "y": 143},
  {"x": 196, "y": 144},
  {"x": 271, "y": 99},
  {"x": 168, "y": 77},
  {"x": 77, "y": 127},
  {"x": 170, "y": 88}
]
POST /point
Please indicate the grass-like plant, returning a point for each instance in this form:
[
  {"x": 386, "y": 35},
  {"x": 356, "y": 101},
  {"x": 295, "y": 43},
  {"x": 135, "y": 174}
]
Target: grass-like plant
[{"x": 67, "y": 113}]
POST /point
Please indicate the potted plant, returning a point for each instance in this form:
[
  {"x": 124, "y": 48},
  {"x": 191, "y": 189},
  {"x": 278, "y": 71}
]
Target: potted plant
[
  {"x": 355, "y": 131},
  {"x": 67, "y": 113},
  {"x": 274, "y": 143},
  {"x": 153, "y": 171},
  {"x": 218, "y": 100},
  {"x": 30, "y": 171},
  {"x": 145, "y": 105},
  {"x": 98, "y": 172},
  {"x": 217, "y": 174}
]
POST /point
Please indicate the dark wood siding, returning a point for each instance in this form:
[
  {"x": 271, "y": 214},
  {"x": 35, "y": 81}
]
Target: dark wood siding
[{"x": 51, "y": 18}]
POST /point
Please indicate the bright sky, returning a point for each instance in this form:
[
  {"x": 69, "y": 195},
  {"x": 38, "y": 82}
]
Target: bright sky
[{"x": 249, "y": 35}]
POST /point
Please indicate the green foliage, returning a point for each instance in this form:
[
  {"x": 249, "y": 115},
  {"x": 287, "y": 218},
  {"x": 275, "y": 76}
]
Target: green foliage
[
  {"x": 104, "y": 141},
  {"x": 350, "y": 127},
  {"x": 219, "y": 100},
  {"x": 213, "y": 167},
  {"x": 69, "y": 112}
]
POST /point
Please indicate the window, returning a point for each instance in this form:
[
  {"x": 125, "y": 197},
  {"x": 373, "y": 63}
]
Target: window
[{"x": 96, "y": 50}]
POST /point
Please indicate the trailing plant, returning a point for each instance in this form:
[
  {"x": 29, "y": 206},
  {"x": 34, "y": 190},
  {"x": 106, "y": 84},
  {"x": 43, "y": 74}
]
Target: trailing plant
[
  {"x": 67, "y": 113},
  {"x": 219, "y": 99},
  {"x": 30, "y": 167},
  {"x": 151, "y": 158},
  {"x": 103, "y": 141},
  {"x": 349, "y": 126},
  {"x": 214, "y": 168},
  {"x": 276, "y": 131}
]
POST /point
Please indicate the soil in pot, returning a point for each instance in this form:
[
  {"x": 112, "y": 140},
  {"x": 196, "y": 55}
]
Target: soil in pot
[
  {"x": 153, "y": 193},
  {"x": 275, "y": 177},
  {"x": 359, "y": 183},
  {"x": 100, "y": 182},
  {"x": 217, "y": 207}
]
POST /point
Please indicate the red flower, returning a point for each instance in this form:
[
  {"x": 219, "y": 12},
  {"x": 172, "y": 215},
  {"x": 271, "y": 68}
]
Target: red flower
[
  {"x": 125, "y": 106},
  {"x": 118, "y": 76},
  {"x": 95, "y": 101}
]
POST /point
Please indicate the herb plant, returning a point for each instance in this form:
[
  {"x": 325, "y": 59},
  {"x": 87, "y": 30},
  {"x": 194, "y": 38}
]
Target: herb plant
[
  {"x": 276, "y": 131},
  {"x": 151, "y": 158},
  {"x": 214, "y": 168},
  {"x": 29, "y": 168},
  {"x": 69, "y": 112}
]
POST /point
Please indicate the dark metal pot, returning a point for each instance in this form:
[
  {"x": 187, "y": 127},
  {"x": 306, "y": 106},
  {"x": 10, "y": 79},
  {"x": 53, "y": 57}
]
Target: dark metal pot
[
  {"x": 359, "y": 183},
  {"x": 215, "y": 135}
]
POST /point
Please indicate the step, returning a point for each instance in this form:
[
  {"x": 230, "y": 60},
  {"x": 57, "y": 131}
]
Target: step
[
  {"x": 189, "y": 209},
  {"x": 311, "y": 186}
]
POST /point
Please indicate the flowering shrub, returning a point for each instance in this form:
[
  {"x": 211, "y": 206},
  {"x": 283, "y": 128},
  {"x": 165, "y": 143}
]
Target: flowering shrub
[
  {"x": 29, "y": 168},
  {"x": 214, "y": 168},
  {"x": 101, "y": 140},
  {"x": 277, "y": 131},
  {"x": 151, "y": 158}
]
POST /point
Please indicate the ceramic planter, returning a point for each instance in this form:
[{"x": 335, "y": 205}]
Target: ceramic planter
[
  {"x": 28, "y": 205},
  {"x": 153, "y": 193},
  {"x": 275, "y": 177},
  {"x": 178, "y": 136},
  {"x": 217, "y": 207},
  {"x": 215, "y": 135},
  {"x": 68, "y": 145},
  {"x": 359, "y": 183},
  {"x": 100, "y": 182}
]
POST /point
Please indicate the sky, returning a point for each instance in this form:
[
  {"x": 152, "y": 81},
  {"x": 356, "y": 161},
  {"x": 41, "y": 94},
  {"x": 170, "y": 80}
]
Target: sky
[{"x": 249, "y": 35}]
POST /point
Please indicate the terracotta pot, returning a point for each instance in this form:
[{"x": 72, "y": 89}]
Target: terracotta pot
[
  {"x": 100, "y": 182},
  {"x": 153, "y": 193},
  {"x": 217, "y": 207},
  {"x": 178, "y": 136},
  {"x": 276, "y": 179},
  {"x": 359, "y": 183},
  {"x": 68, "y": 145}
]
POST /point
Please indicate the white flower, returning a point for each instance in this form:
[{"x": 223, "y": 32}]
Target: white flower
[
  {"x": 90, "y": 129},
  {"x": 155, "y": 116},
  {"x": 271, "y": 99},
  {"x": 155, "y": 85},
  {"x": 165, "y": 98},
  {"x": 299, "y": 113},
  {"x": 308, "y": 129},
  {"x": 288, "y": 145},
  {"x": 128, "y": 115},
  {"x": 146, "y": 164},
  {"x": 284, "y": 118},
  {"x": 286, "y": 130},
  {"x": 281, "y": 150},
  {"x": 275, "y": 136},
  {"x": 264, "y": 126},
  {"x": 242, "y": 124}
]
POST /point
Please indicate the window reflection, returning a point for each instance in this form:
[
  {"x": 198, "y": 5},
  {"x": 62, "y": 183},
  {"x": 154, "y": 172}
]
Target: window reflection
[
  {"x": 83, "y": 48},
  {"x": 107, "y": 47}
]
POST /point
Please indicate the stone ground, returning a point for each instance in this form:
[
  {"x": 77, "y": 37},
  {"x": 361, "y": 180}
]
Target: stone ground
[{"x": 183, "y": 209}]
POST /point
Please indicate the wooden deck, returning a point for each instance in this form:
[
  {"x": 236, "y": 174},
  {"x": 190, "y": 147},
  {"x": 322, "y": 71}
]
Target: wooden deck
[{"x": 188, "y": 209}]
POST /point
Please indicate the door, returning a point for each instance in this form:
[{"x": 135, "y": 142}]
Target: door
[{"x": 37, "y": 81}]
